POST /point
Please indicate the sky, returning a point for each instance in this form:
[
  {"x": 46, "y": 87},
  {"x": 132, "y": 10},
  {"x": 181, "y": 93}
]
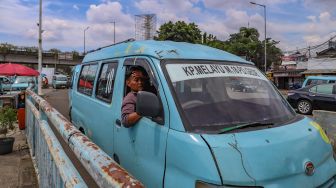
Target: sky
[{"x": 295, "y": 23}]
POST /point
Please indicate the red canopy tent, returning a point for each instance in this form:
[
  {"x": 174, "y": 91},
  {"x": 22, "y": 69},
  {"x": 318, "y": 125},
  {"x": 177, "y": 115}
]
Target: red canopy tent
[{"x": 11, "y": 69}]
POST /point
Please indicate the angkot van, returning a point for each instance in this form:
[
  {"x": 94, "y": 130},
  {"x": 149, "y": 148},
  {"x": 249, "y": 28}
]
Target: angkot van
[
  {"x": 197, "y": 129},
  {"x": 59, "y": 81},
  {"x": 313, "y": 80}
]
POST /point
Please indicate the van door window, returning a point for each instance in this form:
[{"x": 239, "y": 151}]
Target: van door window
[
  {"x": 325, "y": 89},
  {"x": 149, "y": 84},
  {"x": 105, "y": 82},
  {"x": 317, "y": 82},
  {"x": 86, "y": 79},
  {"x": 313, "y": 89}
]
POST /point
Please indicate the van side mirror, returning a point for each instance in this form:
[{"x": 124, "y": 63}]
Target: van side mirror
[{"x": 147, "y": 104}]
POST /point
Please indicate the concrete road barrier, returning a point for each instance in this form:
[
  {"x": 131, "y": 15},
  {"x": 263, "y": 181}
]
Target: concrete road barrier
[{"x": 327, "y": 120}]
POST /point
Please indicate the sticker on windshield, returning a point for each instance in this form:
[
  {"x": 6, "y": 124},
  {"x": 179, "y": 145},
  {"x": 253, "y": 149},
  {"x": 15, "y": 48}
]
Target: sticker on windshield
[{"x": 179, "y": 72}]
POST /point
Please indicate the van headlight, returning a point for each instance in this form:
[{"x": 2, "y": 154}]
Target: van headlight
[{"x": 200, "y": 184}]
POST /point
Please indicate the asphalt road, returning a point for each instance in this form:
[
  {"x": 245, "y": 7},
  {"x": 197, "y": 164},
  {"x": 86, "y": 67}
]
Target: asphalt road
[{"x": 58, "y": 98}]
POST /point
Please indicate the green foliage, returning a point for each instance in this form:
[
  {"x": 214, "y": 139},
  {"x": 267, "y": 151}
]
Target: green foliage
[
  {"x": 245, "y": 43},
  {"x": 55, "y": 50},
  {"x": 7, "y": 47},
  {"x": 179, "y": 32},
  {"x": 76, "y": 55},
  {"x": 7, "y": 119}
]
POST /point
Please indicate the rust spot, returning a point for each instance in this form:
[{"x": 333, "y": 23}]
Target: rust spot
[
  {"x": 47, "y": 109},
  {"x": 68, "y": 126},
  {"x": 75, "y": 180},
  {"x": 93, "y": 146},
  {"x": 85, "y": 139},
  {"x": 108, "y": 158},
  {"x": 62, "y": 118},
  {"x": 121, "y": 176}
]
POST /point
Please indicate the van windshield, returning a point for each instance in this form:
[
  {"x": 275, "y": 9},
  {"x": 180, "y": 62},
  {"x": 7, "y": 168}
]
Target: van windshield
[{"x": 216, "y": 96}]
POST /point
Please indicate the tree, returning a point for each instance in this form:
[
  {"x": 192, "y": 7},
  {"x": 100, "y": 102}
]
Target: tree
[
  {"x": 246, "y": 43},
  {"x": 5, "y": 49},
  {"x": 179, "y": 32},
  {"x": 55, "y": 50},
  {"x": 75, "y": 55}
]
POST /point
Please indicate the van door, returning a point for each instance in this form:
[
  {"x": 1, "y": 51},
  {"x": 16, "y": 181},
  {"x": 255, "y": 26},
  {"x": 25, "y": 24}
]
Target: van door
[
  {"x": 324, "y": 97},
  {"x": 141, "y": 148}
]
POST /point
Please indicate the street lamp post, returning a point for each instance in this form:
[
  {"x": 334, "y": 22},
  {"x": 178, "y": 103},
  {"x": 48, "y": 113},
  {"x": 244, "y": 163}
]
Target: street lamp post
[
  {"x": 264, "y": 6},
  {"x": 113, "y": 31},
  {"x": 84, "y": 37},
  {"x": 39, "y": 81}
]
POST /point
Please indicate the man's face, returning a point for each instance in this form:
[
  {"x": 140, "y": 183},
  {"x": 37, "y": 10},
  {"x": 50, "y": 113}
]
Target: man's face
[{"x": 136, "y": 81}]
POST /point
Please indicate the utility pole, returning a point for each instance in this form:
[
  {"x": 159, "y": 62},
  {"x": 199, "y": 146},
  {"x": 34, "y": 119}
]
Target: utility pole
[
  {"x": 84, "y": 37},
  {"x": 113, "y": 31},
  {"x": 264, "y": 6},
  {"x": 39, "y": 82},
  {"x": 309, "y": 55}
]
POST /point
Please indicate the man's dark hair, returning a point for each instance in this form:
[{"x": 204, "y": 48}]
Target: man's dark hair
[{"x": 131, "y": 69}]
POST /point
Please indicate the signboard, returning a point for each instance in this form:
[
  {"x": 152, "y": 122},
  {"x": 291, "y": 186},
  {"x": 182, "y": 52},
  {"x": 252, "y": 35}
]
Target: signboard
[
  {"x": 65, "y": 56},
  {"x": 180, "y": 72}
]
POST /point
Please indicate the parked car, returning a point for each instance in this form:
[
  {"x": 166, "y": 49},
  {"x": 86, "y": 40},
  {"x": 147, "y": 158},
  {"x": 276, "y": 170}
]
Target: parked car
[
  {"x": 313, "y": 97},
  {"x": 314, "y": 80},
  {"x": 194, "y": 131},
  {"x": 59, "y": 80},
  {"x": 243, "y": 86}
]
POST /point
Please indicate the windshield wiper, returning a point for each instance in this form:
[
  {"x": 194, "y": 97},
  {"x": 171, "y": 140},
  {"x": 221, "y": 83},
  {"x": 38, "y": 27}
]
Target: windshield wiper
[{"x": 245, "y": 125}]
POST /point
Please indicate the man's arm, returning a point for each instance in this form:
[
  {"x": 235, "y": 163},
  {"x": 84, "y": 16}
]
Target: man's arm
[
  {"x": 132, "y": 118},
  {"x": 129, "y": 117}
]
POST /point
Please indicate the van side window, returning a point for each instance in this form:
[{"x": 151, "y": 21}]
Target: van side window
[
  {"x": 86, "y": 79},
  {"x": 308, "y": 82},
  {"x": 325, "y": 89},
  {"x": 105, "y": 82},
  {"x": 331, "y": 81},
  {"x": 150, "y": 82},
  {"x": 313, "y": 89}
]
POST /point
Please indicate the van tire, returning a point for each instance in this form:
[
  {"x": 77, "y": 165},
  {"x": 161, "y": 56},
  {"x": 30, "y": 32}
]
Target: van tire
[{"x": 304, "y": 107}]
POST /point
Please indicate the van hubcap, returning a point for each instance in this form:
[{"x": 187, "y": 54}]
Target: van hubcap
[{"x": 304, "y": 107}]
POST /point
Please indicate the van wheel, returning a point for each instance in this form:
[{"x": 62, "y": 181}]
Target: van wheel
[{"x": 304, "y": 107}]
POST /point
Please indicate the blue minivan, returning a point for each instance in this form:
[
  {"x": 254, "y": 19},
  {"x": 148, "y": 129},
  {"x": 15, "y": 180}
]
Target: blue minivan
[
  {"x": 18, "y": 83},
  {"x": 314, "y": 80},
  {"x": 195, "y": 130},
  {"x": 59, "y": 81}
]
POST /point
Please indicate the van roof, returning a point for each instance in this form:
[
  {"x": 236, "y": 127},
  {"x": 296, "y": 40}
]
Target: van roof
[
  {"x": 162, "y": 50},
  {"x": 325, "y": 77}
]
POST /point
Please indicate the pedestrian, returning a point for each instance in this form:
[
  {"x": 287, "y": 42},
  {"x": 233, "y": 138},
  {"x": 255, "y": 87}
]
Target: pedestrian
[
  {"x": 45, "y": 81},
  {"x": 135, "y": 77}
]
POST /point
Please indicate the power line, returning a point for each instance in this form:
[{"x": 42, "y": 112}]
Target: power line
[{"x": 315, "y": 48}]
